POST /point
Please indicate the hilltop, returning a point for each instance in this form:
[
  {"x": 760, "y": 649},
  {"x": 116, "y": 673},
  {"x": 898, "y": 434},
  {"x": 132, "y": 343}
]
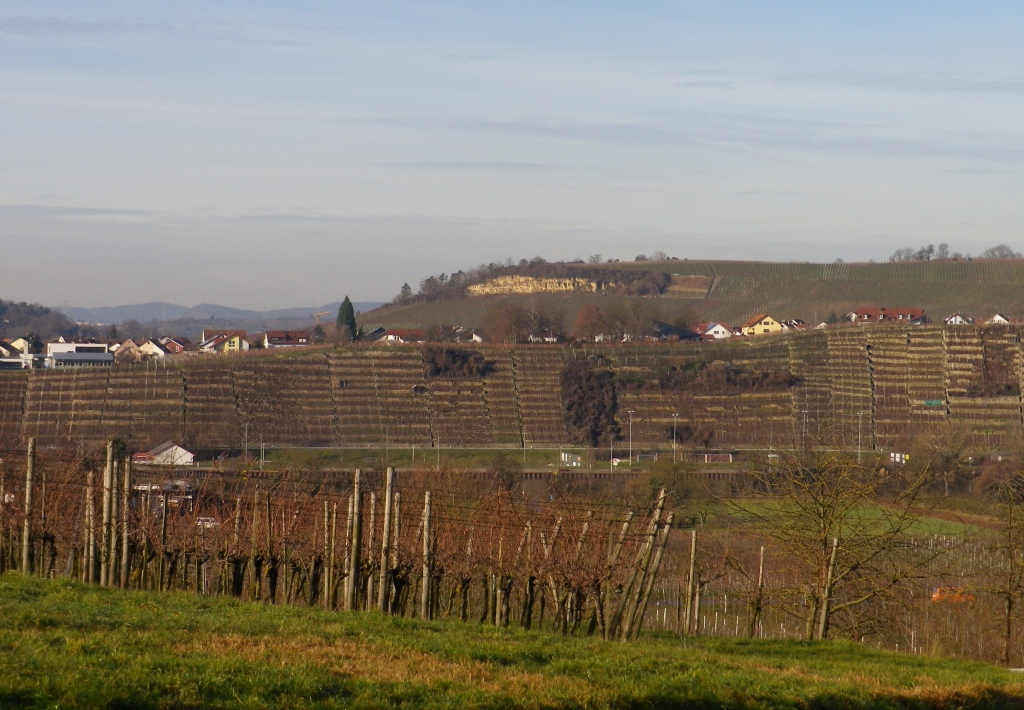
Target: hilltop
[{"x": 730, "y": 291}]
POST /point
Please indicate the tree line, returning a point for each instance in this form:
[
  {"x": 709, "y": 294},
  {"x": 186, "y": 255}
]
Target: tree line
[{"x": 942, "y": 253}]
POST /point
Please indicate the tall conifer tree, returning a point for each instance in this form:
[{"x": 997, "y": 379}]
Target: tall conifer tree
[{"x": 346, "y": 320}]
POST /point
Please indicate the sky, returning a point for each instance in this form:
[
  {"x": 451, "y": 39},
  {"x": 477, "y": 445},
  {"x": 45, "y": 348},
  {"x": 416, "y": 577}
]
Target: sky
[{"x": 278, "y": 154}]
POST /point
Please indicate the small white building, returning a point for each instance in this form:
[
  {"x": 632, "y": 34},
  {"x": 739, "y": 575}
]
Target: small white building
[
  {"x": 153, "y": 350},
  {"x": 70, "y": 354},
  {"x": 959, "y": 319},
  {"x": 718, "y": 331},
  {"x": 167, "y": 454},
  {"x": 998, "y": 319},
  {"x": 467, "y": 335}
]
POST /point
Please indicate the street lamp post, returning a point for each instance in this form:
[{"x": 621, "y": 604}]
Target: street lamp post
[
  {"x": 631, "y": 438},
  {"x": 805, "y": 429},
  {"x": 675, "y": 421}
]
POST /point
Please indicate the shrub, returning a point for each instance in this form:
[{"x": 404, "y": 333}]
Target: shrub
[
  {"x": 455, "y": 362},
  {"x": 589, "y": 402}
]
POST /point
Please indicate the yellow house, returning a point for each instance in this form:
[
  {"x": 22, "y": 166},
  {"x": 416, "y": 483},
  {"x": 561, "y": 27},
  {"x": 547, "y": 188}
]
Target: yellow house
[
  {"x": 224, "y": 343},
  {"x": 233, "y": 344},
  {"x": 21, "y": 344},
  {"x": 761, "y": 324}
]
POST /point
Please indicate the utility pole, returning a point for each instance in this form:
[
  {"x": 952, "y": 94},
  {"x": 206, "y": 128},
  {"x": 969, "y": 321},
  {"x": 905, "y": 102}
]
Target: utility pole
[{"x": 805, "y": 429}]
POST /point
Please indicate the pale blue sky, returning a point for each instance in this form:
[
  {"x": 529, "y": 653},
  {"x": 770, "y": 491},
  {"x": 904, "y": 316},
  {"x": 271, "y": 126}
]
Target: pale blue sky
[{"x": 268, "y": 155}]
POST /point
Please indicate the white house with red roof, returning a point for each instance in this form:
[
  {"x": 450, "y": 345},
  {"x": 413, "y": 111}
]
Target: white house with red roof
[
  {"x": 710, "y": 329},
  {"x": 286, "y": 339}
]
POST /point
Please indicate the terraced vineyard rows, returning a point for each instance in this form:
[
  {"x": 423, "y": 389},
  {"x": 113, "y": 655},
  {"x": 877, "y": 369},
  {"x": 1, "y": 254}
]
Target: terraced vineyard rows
[
  {"x": 211, "y": 416},
  {"x": 537, "y": 387},
  {"x": 145, "y": 404},
  {"x": 12, "y": 404},
  {"x": 873, "y": 387}
]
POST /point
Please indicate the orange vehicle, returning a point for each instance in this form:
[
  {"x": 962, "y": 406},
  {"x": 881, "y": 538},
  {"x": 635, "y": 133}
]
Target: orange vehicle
[{"x": 952, "y": 595}]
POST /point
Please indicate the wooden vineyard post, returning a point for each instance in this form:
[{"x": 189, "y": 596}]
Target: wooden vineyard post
[
  {"x": 163, "y": 542},
  {"x": 385, "y": 543},
  {"x": 614, "y": 552},
  {"x": 631, "y": 594},
  {"x": 45, "y": 566},
  {"x": 90, "y": 528},
  {"x": 108, "y": 476},
  {"x": 329, "y": 577},
  {"x": 145, "y": 575},
  {"x": 425, "y": 597},
  {"x": 270, "y": 567},
  {"x": 653, "y": 575},
  {"x": 755, "y": 616},
  {"x": 827, "y": 591},
  {"x": 688, "y": 614},
  {"x": 346, "y": 552},
  {"x": 236, "y": 584},
  {"x": 698, "y": 589},
  {"x": 332, "y": 597},
  {"x": 112, "y": 578},
  {"x": 370, "y": 598},
  {"x": 26, "y": 531},
  {"x": 254, "y": 589},
  {"x": 396, "y": 538},
  {"x": 352, "y": 581}
]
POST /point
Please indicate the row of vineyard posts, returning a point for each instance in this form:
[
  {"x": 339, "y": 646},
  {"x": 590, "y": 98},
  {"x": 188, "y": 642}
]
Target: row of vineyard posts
[{"x": 584, "y": 568}]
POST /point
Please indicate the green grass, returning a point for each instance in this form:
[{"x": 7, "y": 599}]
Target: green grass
[
  {"x": 933, "y": 519},
  {"x": 65, "y": 645},
  {"x": 423, "y": 457}
]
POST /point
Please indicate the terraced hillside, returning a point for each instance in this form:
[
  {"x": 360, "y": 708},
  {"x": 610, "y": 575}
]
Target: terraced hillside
[
  {"x": 741, "y": 289},
  {"x": 873, "y": 386}
]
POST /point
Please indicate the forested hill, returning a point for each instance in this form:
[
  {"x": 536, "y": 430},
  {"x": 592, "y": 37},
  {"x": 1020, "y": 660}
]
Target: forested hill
[{"x": 21, "y": 319}]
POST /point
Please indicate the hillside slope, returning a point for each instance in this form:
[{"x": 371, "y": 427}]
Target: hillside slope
[
  {"x": 72, "y": 646},
  {"x": 740, "y": 289},
  {"x": 877, "y": 386}
]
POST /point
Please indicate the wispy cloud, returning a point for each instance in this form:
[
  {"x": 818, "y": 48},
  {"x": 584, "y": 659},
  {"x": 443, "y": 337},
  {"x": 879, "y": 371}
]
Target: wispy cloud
[
  {"x": 710, "y": 130},
  {"x": 51, "y": 211},
  {"x": 495, "y": 165},
  {"x": 20, "y": 26},
  {"x": 907, "y": 82}
]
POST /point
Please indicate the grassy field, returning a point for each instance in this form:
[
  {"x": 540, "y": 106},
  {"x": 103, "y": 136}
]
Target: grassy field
[
  {"x": 786, "y": 290},
  {"x": 423, "y": 457},
  {"x": 65, "y": 645}
]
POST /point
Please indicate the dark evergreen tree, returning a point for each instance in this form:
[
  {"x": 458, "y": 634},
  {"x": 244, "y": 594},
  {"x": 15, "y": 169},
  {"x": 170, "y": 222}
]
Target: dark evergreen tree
[{"x": 346, "y": 325}]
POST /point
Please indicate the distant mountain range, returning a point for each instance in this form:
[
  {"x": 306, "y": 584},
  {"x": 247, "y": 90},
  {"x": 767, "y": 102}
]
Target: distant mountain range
[{"x": 164, "y": 312}]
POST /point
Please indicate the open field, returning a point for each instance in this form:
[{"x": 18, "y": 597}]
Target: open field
[
  {"x": 742, "y": 289},
  {"x": 68, "y": 645}
]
